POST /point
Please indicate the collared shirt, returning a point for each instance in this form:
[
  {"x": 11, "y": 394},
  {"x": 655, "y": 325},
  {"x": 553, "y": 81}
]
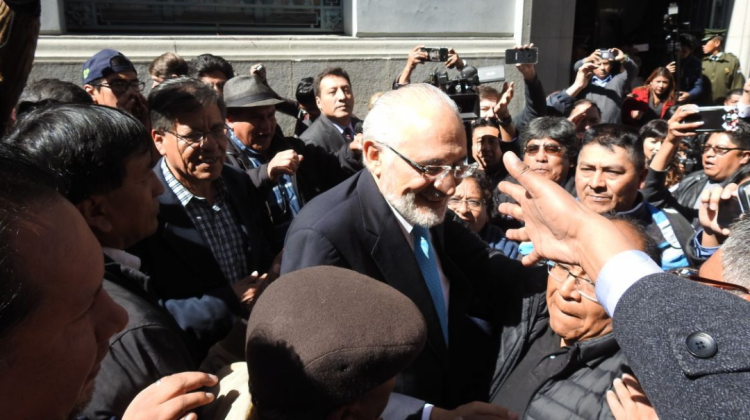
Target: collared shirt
[
  {"x": 282, "y": 198},
  {"x": 601, "y": 82},
  {"x": 406, "y": 228},
  {"x": 217, "y": 225},
  {"x": 342, "y": 129},
  {"x": 716, "y": 57},
  {"x": 125, "y": 258}
]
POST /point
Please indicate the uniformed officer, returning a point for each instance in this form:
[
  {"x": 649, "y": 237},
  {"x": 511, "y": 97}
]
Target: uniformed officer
[{"x": 721, "y": 69}]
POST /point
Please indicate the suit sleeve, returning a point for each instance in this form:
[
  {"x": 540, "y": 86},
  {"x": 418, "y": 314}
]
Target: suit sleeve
[
  {"x": 308, "y": 248},
  {"x": 402, "y": 407},
  {"x": 536, "y": 104},
  {"x": 136, "y": 360},
  {"x": 656, "y": 193},
  {"x": 652, "y": 323},
  {"x": 207, "y": 317}
]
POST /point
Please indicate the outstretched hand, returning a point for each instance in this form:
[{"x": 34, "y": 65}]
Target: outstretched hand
[
  {"x": 172, "y": 397},
  {"x": 560, "y": 227}
]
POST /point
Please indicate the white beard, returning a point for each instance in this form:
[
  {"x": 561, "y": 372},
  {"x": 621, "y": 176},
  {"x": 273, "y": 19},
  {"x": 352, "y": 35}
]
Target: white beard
[{"x": 407, "y": 206}]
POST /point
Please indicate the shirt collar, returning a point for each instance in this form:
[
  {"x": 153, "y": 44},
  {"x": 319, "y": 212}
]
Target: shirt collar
[
  {"x": 601, "y": 82},
  {"x": 241, "y": 146},
  {"x": 341, "y": 129},
  {"x": 183, "y": 194},
  {"x": 123, "y": 257}
]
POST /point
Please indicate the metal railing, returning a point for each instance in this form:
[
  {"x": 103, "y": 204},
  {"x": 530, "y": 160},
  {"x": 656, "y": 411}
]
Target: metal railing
[{"x": 205, "y": 16}]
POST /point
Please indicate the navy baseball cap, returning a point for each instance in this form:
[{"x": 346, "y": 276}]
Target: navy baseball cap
[{"x": 104, "y": 63}]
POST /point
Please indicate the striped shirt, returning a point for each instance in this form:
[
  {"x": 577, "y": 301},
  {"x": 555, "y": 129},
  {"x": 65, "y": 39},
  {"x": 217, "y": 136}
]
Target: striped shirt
[{"x": 217, "y": 224}]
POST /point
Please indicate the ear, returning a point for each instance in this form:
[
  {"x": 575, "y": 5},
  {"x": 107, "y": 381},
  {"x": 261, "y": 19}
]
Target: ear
[
  {"x": 317, "y": 101},
  {"x": 371, "y": 155},
  {"x": 94, "y": 210},
  {"x": 91, "y": 90},
  {"x": 159, "y": 142},
  {"x": 745, "y": 158}
]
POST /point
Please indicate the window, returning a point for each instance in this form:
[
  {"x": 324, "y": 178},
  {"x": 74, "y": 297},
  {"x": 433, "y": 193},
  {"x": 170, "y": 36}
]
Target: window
[{"x": 207, "y": 16}]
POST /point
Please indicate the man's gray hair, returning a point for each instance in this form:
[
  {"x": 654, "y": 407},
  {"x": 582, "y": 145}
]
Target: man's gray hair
[
  {"x": 395, "y": 108},
  {"x": 736, "y": 254}
]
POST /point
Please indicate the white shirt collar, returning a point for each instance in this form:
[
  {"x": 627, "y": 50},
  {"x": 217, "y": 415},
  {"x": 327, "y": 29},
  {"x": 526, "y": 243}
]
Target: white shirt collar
[{"x": 122, "y": 257}]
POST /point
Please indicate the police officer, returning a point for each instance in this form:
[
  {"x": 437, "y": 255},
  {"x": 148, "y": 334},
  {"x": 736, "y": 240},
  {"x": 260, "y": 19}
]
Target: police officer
[{"x": 721, "y": 69}]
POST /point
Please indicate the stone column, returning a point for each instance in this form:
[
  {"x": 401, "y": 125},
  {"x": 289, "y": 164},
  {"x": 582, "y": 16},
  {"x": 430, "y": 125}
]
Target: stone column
[{"x": 738, "y": 38}]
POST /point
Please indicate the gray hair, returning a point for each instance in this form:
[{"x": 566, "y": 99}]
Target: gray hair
[
  {"x": 397, "y": 107},
  {"x": 736, "y": 257}
]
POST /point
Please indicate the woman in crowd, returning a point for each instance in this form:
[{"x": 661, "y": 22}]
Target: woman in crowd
[
  {"x": 652, "y": 100},
  {"x": 470, "y": 203}
]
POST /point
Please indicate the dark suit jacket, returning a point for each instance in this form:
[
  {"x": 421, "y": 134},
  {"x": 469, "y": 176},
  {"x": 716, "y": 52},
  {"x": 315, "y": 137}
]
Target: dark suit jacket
[
  {"x": 150, "y": 347},
  {"x": 352, "y": 226},
  {"x": 185, "y": 274},
  {"x": 324, "y": 135},
  {"x": 652, "y": 322}
]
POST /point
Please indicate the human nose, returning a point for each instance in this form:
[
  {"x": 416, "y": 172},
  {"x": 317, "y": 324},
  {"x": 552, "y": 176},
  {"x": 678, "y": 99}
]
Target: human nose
[
  {"x": 566, "y": 288},
  {"x": 111, "y": 318},
  {"x": 158, "y": 187},
  {"x": 541, "y": 155},
  {"x": 447, "y": 184},
  {"x": 340, "y": 95},
  {"x": 597, "y": 180}
]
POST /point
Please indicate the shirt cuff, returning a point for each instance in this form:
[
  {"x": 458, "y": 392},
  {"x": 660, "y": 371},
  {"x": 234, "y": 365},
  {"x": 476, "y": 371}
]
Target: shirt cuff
[
  {"x": 743, "y": 110},
  {"x": 427, "y": 411},
  {"x": 619, "y": 273},
  {"x": 700, "y": 250}
]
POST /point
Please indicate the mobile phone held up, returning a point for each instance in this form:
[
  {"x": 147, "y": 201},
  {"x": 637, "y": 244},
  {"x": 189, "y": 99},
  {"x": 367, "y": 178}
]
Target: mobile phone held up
[
  {"x": 522, "y": 56},
  {"x": 731, "y": 210},
  {"x": 437, "y": 54},
  {"x": 715, "y": 118}
]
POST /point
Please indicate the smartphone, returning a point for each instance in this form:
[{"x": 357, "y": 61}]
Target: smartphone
[
  {"x": 522, "y": 56},
  {"x": 607, "y": 55},
  {"x": 731, "y": 210},
  {"x": 437, "y": 54},
  {"x": 715, "y": 118}
]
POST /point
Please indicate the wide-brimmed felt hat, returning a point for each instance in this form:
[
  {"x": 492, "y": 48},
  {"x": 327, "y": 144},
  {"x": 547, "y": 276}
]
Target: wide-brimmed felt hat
[{"x": 247, "y": 92}]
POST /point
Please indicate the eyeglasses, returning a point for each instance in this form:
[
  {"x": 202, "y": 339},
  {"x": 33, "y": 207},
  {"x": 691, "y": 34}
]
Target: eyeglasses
[
  {"x": 121, "y": 86},
  {"x": 198, "y": 138},
  {"x": 692, "y": 275},
  {"x": 438, "y": 172},
  {"x": 720, "y": 151},
  {"x": 562, "y": 273},
  {"x": 550, "y": 149},
  {"x": 455, "y": 202}
]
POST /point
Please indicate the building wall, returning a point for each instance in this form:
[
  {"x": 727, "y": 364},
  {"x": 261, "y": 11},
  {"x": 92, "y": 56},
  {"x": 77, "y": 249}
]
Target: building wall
[{"x": 480, "y": 30}]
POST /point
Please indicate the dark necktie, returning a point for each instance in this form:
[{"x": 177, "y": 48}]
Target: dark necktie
[{"x": 348, "y": 134}]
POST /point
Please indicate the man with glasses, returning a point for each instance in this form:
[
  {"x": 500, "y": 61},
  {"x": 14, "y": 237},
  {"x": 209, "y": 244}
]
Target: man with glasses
[
  {"x": 567, "y": 356},
  {"x": 723, "y": 154},
  {"x": 211, "y": 241},
  {"x": 549, "y": 147},
  {"x": 388, "y": 222},
  {"x": 111, "y": 80}
]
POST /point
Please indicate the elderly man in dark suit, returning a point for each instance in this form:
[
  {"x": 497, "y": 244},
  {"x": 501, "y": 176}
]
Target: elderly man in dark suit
[
  {"x": 387, "y": 223},
  {"x": 687, "y": 343},
  {"x": 210, "y": 245},
  {"x": 334, "y": 130}
]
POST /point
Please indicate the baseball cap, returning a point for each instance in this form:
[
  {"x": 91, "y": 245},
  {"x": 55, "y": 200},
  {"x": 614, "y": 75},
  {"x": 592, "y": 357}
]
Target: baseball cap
[{"x": 104, "y": 63}]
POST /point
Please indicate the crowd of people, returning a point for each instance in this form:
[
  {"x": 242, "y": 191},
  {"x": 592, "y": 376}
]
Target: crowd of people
[{"x": 179, "y": 256}]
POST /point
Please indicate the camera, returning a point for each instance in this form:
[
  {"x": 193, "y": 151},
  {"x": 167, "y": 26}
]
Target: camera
[
  {"x": 607, "y": 55},
  {"x": 438, "y": 54},
  {"x": 460, "y": 89}
]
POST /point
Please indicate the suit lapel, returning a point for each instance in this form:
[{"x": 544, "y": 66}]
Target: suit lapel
[
  {"x": 180, "y": 233},
  {"x": 238, "y": 198},
  {"x": 395, "y": 258}
]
